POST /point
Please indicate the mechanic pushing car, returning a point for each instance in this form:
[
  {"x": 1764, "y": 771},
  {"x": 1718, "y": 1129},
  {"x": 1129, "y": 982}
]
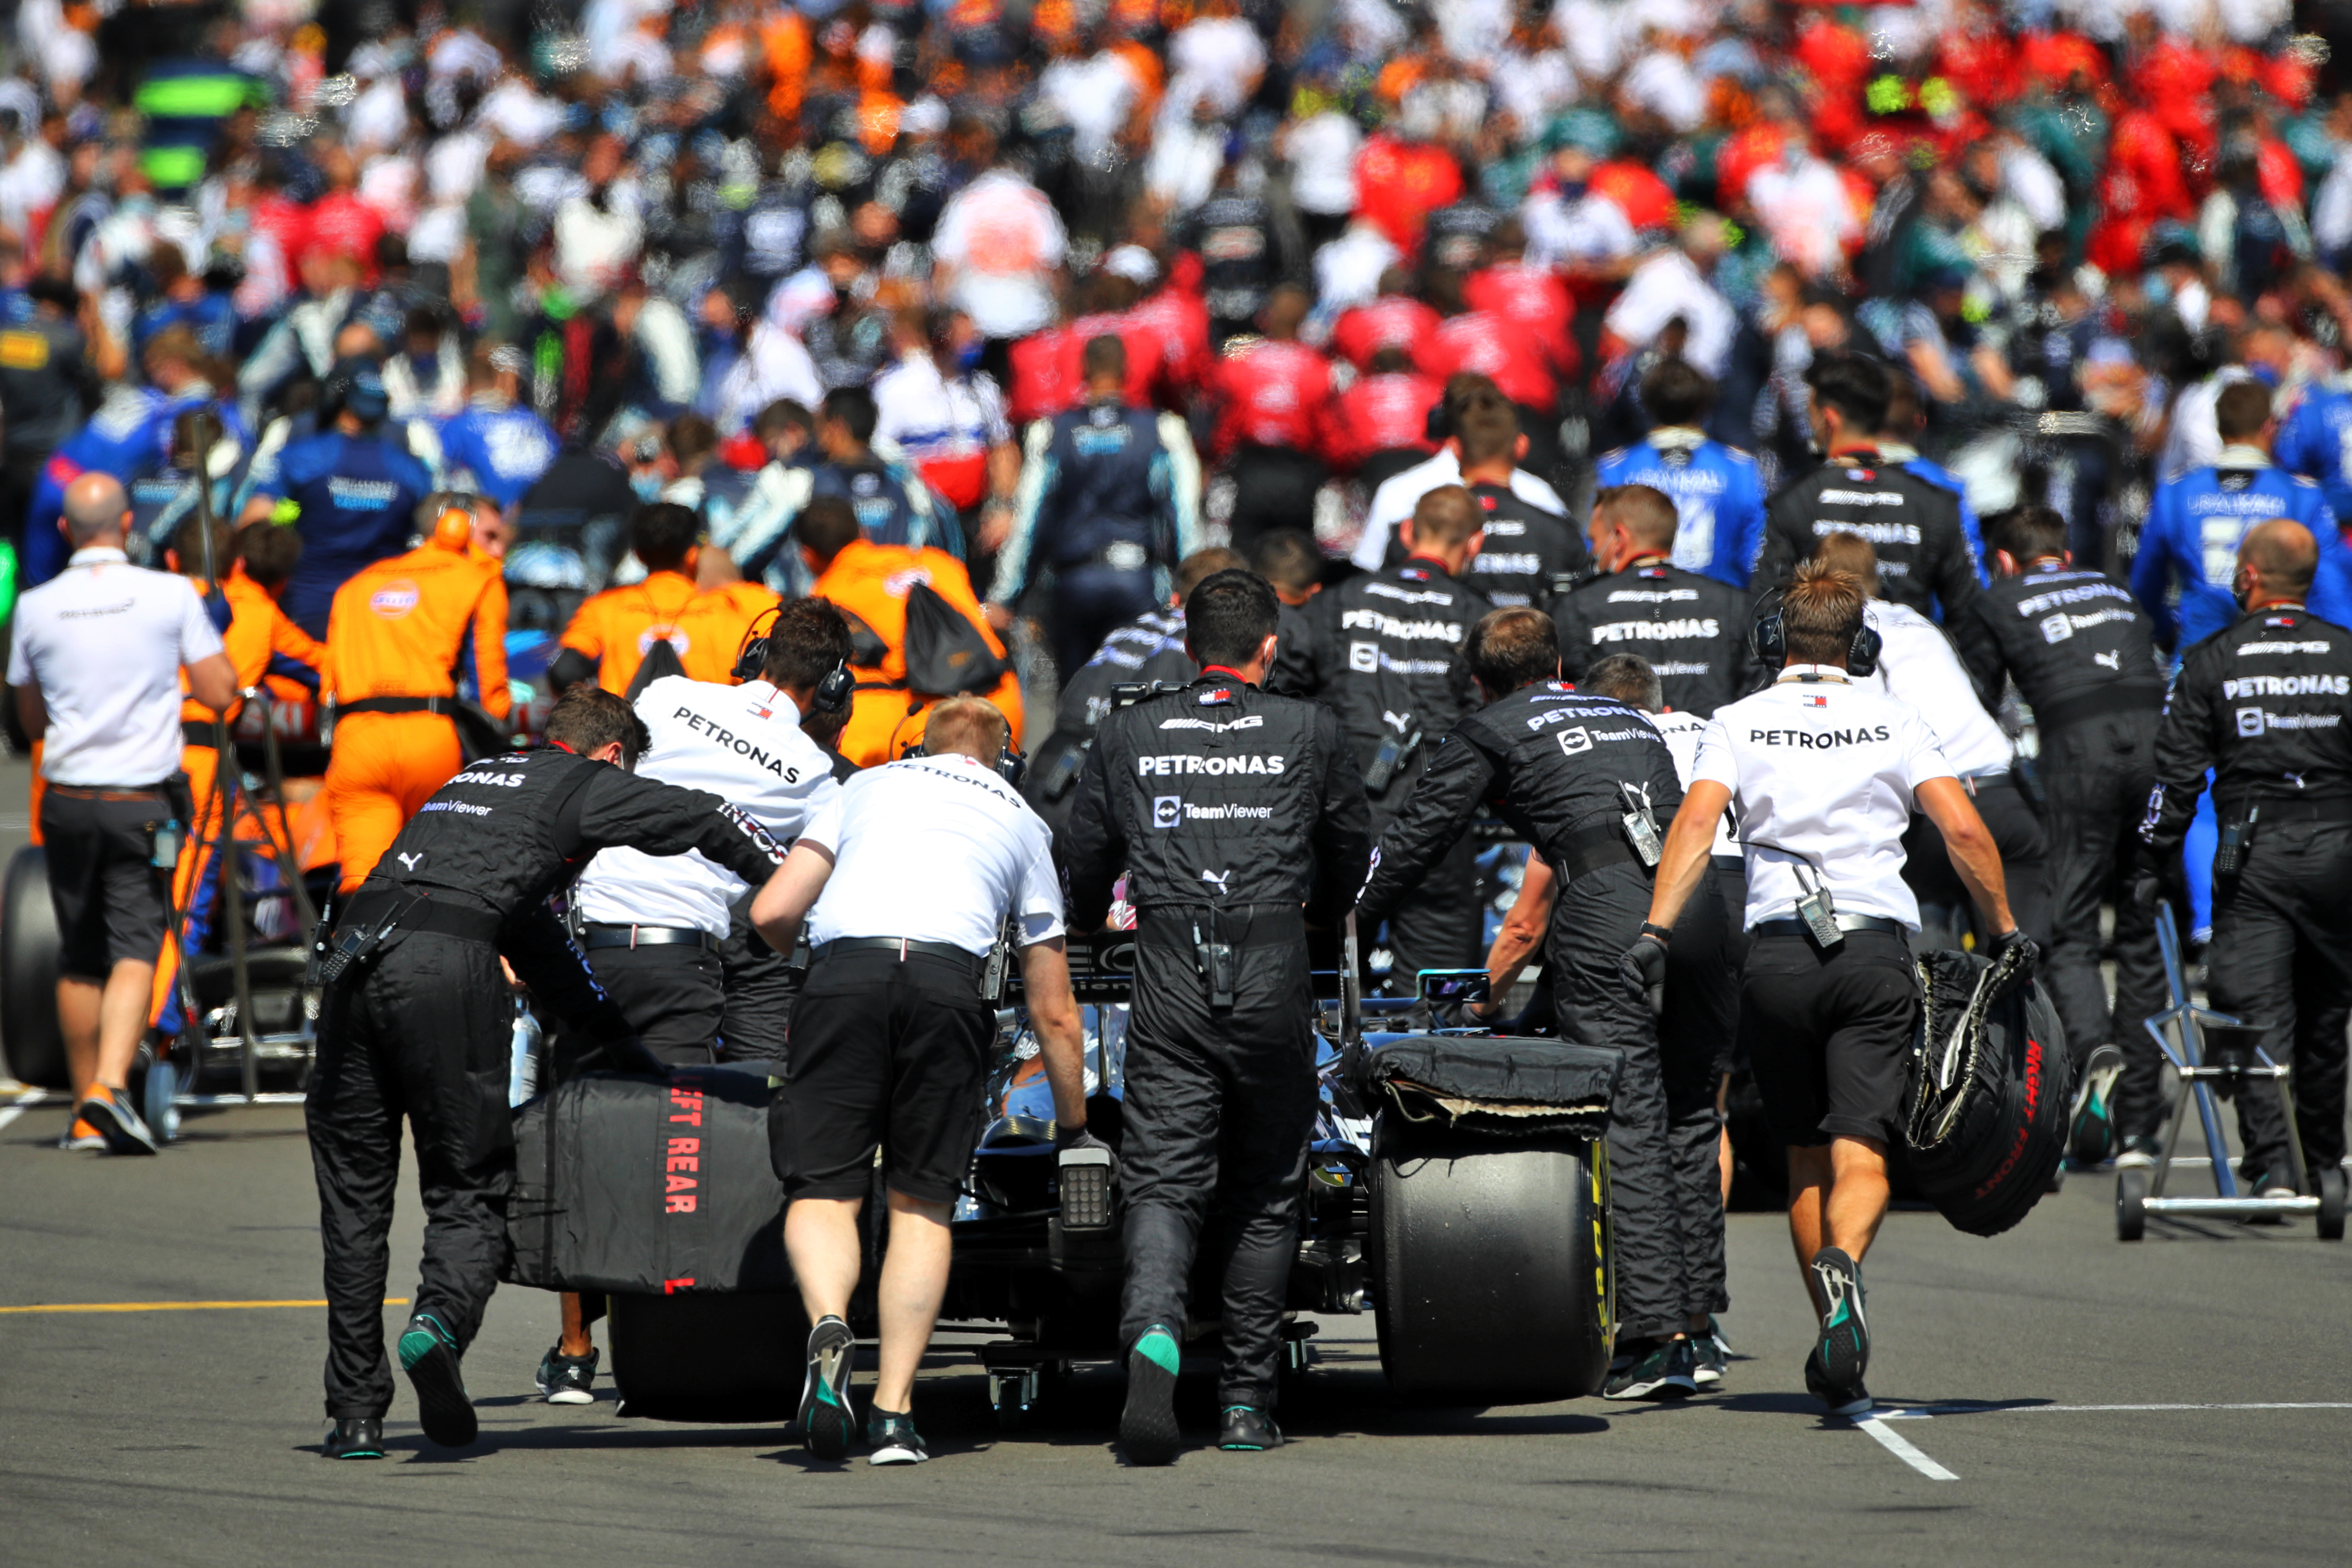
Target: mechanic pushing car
[
  {"x": 1588, "y": 781},
  {"x": 417, "y": 1019},
  {"x": 2264, "y": 706},
  {"x": 914, "y": 871},
  {"x": 1825, "y": 772},
  {"x": 656, "y": 927},
  {"x": 1239, "y": 818}
]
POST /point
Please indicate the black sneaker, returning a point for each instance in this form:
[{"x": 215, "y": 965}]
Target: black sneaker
[
  {"x": 568, "y": 1379},
  {"x": 1668, "y": 1370},
  {"x": 1711, "y": 1357},
  {"x": 2140, "y": 1151},
  {"x": 355, "y": 1438},
  {"x": 1848, "y": 1402},
  {"x": 891, "y": 1439},
  {"x": 1846, "y": 1334},
  {"x": 1148, "y": 1433},
  {"x": 828, "y": 1421},
  {"x": 109, "y": 1112},
  {"x": 429, "y": 1355},
  {"x": 1247, "y": 1429},
  {"x": 2092, "y": 1140}
]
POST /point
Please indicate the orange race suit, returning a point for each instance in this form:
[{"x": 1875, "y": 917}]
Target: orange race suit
[
  {"x": 706, "y": 626},
  {"x": 870, "y": 582},
  {"x": 395, "y": 636}
]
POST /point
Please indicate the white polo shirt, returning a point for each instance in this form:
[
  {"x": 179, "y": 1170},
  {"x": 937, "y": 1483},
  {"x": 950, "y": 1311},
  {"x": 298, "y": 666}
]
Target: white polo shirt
[
  {"x": 1822, "y": 773},
  {"x": 1918, "y": 665},
  {"x": 1398, "y": 495},
  {"x": 1682, "y": 732},
  {"x": 743, "y": 744},
  {"x": 934, "y": 850},
  {"x": 105, "y": 640}
]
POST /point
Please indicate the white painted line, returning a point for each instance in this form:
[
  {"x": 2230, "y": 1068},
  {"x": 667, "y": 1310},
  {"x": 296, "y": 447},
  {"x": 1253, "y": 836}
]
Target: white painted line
[
  {"x": 2043, "y": 1409},
  {"x": 19, "y": 1106},
  {"x": 1900, "y": 1447}
]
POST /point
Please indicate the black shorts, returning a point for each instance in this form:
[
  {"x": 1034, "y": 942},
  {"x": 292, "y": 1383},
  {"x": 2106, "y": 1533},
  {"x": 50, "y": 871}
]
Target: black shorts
[
  {"x": 1829, "y": 1034},
  {"x": 884, "y": 1052},
  {"x": 111, "y": 902}
]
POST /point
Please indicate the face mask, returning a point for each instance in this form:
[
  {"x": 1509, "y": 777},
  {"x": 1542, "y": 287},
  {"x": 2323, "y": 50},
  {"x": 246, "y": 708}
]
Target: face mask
[
  {"x": 647, "y": 486},
  {"x": 2267, "y": 374},
  {"x": 968, "y": 357},
  {"x": 2241, "y": 589},
  {"x": 2159, "y": 290}
]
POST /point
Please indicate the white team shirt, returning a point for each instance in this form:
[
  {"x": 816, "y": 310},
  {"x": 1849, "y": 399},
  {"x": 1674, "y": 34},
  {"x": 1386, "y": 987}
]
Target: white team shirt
[
  {"x": 743, "y": 744},
  {"x": 1682, "y": 732},
  {"x": 105, "y": 641},
  {"x": 1916, "y": 665},
  {"x": 1394, "y": 500},
  {"x": 1823, "y": 773},
  {"x": 934, "y": 850}
]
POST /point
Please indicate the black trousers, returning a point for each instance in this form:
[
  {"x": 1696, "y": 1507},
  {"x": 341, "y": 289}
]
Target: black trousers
[
  {"x": 761, "y": 987},
  {"x": 1665, "y": 1186},
  {"x": 672, "y": 996},
  {"x": 2096, "y": 776},
  {"x": 1440, "y": 925},
  {"x": 1220, "y": 1105},
  {"x": 422, "y": 1036},
  {"x": 1275, "y": 490},
  {"x": 1945, "y": 909},
  {"x": 2282, "y": 955},
  {"x": 1091, "y": 602}
]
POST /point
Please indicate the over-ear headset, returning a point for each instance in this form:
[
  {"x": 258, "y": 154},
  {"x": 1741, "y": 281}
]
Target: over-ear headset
[
  {"x": 454, "y": 529},
  {"x": 833, "y": 691},
  {"x": 1011, "y": 765},
  {"x": 1770, "y": 641}
]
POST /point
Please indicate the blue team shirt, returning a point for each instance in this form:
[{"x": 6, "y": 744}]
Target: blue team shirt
[
  {"x": 504, "y": 449},
  {"x": 358, "y": 497},
  {"x": 130, "y": 437},
  {"x": 2312, "y": 441},
  {"x": 1719, "y": 501},
  {"x": 2192, "y": 534}
]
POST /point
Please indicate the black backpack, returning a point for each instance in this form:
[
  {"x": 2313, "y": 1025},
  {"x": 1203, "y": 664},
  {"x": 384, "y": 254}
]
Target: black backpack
[{"x": 947, "y": 655}]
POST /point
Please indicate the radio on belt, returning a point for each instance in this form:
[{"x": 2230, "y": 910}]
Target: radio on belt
[
  {"x": 1642, "y": 824},
  {"x": 1393, "y": 754},
  {"x": 1817, "y": 910}
]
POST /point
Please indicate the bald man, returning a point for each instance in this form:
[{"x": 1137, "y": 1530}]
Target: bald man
[
  {"x": 2266, "y": 704},
  {"x": 95, "y": 662}
]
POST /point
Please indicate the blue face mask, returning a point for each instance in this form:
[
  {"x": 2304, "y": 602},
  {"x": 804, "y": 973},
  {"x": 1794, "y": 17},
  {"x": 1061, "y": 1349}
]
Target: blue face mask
[
  {"x": 2157, "y": 289},
  {"x": 968, "y": 357},
  {"x": 647, "y": 486},
  {"x": 2267, "y": 374}
]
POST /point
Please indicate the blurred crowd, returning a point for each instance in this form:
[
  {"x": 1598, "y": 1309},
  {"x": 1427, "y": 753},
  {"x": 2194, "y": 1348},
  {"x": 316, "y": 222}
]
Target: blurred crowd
[{"x": 667, "y": 240}]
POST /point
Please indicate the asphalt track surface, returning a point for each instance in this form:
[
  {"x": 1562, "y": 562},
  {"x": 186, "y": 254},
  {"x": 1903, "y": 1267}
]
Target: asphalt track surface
[{"x": 2048, "y": 1396}]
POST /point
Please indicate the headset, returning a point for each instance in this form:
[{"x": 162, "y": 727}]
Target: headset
[
  {"x": 454, "y": 529},
  {"x": 834, "y": 692},
  {"x": 1770, "y": 640},
  {"x": 1011, "y": 765}
]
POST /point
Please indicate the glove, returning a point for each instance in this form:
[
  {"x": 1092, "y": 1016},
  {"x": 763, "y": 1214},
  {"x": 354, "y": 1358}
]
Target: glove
[
  {"x": 1642, "y": 970},
  {"x": 1068, "y": 1138},
  {"x": 2019, "y": 952},
  {"x": 2148, "y": 881}
]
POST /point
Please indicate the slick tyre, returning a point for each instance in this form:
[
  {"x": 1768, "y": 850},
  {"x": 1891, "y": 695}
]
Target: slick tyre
[
  {"x": 1491, "y": 1265},
  {"x": 29, "y": 973}
]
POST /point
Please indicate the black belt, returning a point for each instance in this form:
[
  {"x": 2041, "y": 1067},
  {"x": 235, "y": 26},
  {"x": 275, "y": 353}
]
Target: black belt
[
  {"x": 905, "y": 947},
  {"x": 199, "y": 733},
  {"x": 2288, "y": 808},
  {"x": 1845, "y": 922},
  {"x": 600, "y": 936},
  {"x": 441, "y": 915},
  {"x": 2117, "y": 698},
  {"x": 1596, "y": 849},
  {"x": 396, "y": 705}
]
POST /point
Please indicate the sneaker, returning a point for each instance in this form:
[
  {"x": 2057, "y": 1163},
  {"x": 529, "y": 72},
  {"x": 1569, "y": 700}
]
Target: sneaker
[
  {"x": 1710, "y": 1358},
  {"x": 1247, "y": 1429},
  {"x": 1148, "y": 1433},
  {"x": 1846, "y": 1334},
  {"x": 1849, "y": 1402},
  {"x": 2092, "y": 1138},
  {"x": 2139, "y": 1152},
  {"x": 81, "y": 1135},
  {"x": 828, "y": 1421},
  {"x": 568, "y": 1379},
  {"x": 109, "y": 1113},
  {"x": 428, "y": 1353},
  {"x": 355, "y": 1438},
  {"x": 891, "y": 1439},
  {"x": 1667, "y": 1370}
]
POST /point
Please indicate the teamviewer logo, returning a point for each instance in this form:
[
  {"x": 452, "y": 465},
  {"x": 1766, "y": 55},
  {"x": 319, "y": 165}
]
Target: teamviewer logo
[
  {"x": 1167, "y": 810},
  {"x": 2250, "y": 722}
]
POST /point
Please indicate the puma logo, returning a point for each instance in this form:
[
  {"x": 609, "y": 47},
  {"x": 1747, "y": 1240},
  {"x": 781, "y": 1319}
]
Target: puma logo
[
  {"x": 1217, "y": 880},
  {"x": 2114, "y": 661},
  {"x": 410, "y": 860}
]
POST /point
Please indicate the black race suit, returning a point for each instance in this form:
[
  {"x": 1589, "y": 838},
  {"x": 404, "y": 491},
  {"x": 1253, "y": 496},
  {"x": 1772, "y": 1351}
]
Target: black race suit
[
  {"x": 1923, "y": 559},
  {"x": 1693, "y": 630}
]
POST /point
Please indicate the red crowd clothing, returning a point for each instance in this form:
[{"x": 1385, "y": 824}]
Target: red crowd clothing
[
  {"x": 2173, "y": 81},
  {"x": 2053, "y": 58},
  {"x": 1399, "y": 183},
  {"x": 1532, "y": 299},
  {"x": 1045, "y": 376},
  {"x": 342, "y": 225},
  {"x": 1144, "y": 344},
  {"x": 1497, "y": 349},
  {"x": 1982, "y": 65},
  {"x": 1645, "y": 198},
  {"x": 1744, "y": 152},
  {"x": 1392, "y": 320},
  {"x": 1177, "y": 317},
  {"x": 1272, "y": 394},
  {"x": 1381, "y": 413}
]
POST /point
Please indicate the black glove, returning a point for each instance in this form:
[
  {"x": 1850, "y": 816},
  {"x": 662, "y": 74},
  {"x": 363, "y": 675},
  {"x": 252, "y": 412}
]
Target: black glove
[
  {"x": 2148, "y": 881},
  {"x": 1642, "y": 970},
  {"x": 1068, "y": 1138},
  {"x": 2019, "y": 953}
]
